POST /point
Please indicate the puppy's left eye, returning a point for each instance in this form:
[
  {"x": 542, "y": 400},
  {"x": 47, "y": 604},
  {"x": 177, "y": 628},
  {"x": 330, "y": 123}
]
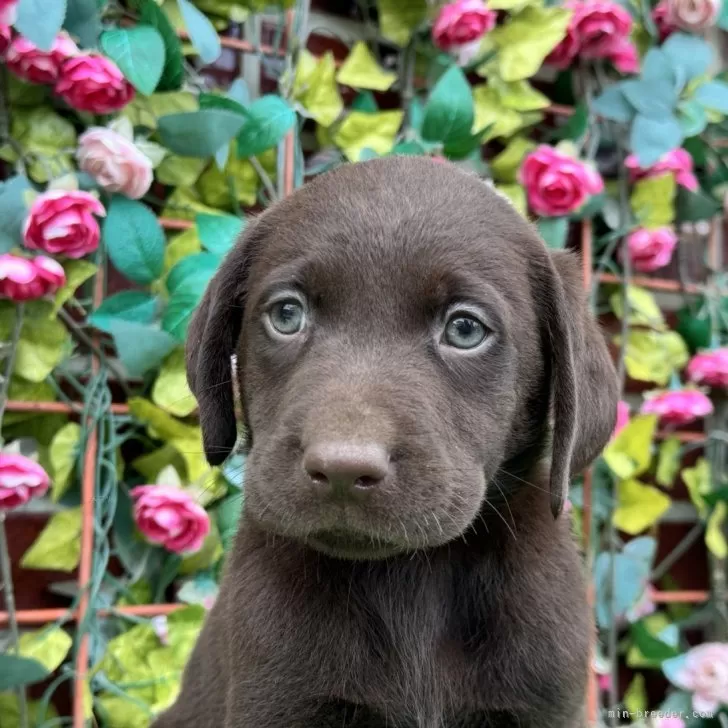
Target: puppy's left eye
[
  {"x": 287, "y": 316},
  {"x": 464, "y": 331}
]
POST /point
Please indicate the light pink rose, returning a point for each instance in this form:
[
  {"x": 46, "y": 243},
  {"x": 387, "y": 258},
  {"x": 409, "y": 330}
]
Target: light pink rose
[
  {"x": 693, "y": 15},
  {"x": 709, "y": 368},
  {"x": 598, "y": 24},
  {"x": 705, "y": 674},
  {"x": 6, "y": 36},
  {"x": 622, "y": 417},
  {"x": 677, "y": 162},
  {"x": 557, "y": 184},
  {"x": 649, "y": 250},
  {"x": 114, "y": 162},
  {"x": 624, "y": 56},
  {"x": 661, "y": 18},
  {"x": 170, "y": 517},
  {"x": 462, "y": 22},
  {"x": 24, "y": 279},
  {"x": 37, "y": 66},
  {"x": 671, "y": 722},
  {"x": 90, "y": 82},
  {"x": 677, "y": 407},
  {"x": 8, "y": 11},
  {"x": 62, "y": 222},
  {"x": 20, "y": 480}
]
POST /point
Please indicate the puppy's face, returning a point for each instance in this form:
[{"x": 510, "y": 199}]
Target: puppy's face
[{"x": 391, "y": 356}]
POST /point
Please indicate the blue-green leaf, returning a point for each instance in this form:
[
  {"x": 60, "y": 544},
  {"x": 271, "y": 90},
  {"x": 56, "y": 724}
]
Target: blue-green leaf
[
  {"x": 13, "y": 211},
  {"x": 553, "y": 230},
  {"x": 612, "y": 104},
  {"x": 689, "y": 54},
  {"x": 198, "y": 268},
  {"x": 653, "y": 99},
  {"x": 202, "y": 33},
  {"x": 140, "y": 347},
  {"x": 39, "y": 21},
  {"x": 713, "y": 95},
  {"x": 199, "y": 133},
  {"x": 650, "y": 138},
  {"x": 136, "y": 306},
  {"x": 267, "y": 121},
  {"x": 16, "y": 671},
  {"x": 218, "y": 233},
  {"x": 83, "y": 20},
  {"x": 692, "y": 117},
  {"x": 180, "y": 308},
  {"x": 139, "y": 53},
  {"x": 134, "y": 240},
  {"x": 449, "y": 111},
  {"x": 173, "y": 73}
]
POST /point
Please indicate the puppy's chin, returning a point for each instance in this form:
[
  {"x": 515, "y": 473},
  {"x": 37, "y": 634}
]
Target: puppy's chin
[{"x": 353, "y": 546}]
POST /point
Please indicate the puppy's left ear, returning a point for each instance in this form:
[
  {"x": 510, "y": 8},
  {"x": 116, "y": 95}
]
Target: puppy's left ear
[{"x": 584, "y": 387}]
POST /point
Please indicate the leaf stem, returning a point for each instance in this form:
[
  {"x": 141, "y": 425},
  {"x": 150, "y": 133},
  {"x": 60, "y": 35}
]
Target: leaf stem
[{"x": 10, "y": 363}]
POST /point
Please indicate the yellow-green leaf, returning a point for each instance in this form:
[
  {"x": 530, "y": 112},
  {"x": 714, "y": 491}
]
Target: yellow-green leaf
[
  {"x": 192, "y": 453},
  {"x": 629, "y": 454},
  {"x": 208, "y": 555},
  {"x": 361, "y": 130},
  {"x": 160, "y": 424},
  {"x": 517, "y": 196},
  {"x": 361, "y": 70},
  {"x": 177, "y": 171},
  {"x": 652, "y": 356},
  {"x": 170, "y": 391},
  {"x": 654, "y": 623},
  {"x": 526, "y": 39},
  {"x": 152, "y": 464},
  {"x": 635, "y": 698},
  {"x": 49, "y": 646},
  {"x": 698, "y": 482},
  {"x": 180, "y": 246},
  {"x": 639, "y": 506},
  {"x": 10, "y": 712},
  {"x": 506, "y": 165},
  {"x": 714, "y": 534},
  {"x": 77, "y": 272},
  {"x": 58, "y": 546},
  {"x": 643, "y": 308},
  {"x": 519, "y": 95},
  {"x": 62, "y": 456},
  {"x": 491, "y": 114},
  {"x": 398, "y": 19},
  {"x": 146, "y": 110},
  {"x": 653, "y": 201},
  {"x": 668, "y": 462},
  {"x": 314, "y": 87}
]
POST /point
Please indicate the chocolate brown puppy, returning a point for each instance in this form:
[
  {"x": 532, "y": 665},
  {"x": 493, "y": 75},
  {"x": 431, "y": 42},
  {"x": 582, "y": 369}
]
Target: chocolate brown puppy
[{"x": 420, "y": 378}]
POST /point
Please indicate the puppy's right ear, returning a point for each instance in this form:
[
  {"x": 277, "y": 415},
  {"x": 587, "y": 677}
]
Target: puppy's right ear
[{"x": 211, "y": 341}]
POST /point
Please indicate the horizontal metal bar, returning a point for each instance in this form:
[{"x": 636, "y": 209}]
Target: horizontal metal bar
[{"x": 51, "y": 408}]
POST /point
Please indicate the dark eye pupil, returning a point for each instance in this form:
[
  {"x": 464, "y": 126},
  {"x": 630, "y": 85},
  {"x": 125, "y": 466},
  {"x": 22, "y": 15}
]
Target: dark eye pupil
[
  {"x": 465, "y": 327},
  {"x": 464, "y": 332},
  {"x": 287, "y": 312},
  {"x": 287, "y": 317}
]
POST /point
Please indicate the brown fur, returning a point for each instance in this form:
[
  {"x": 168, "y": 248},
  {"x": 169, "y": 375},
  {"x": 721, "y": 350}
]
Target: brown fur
[{"x": 470, "y": 608}]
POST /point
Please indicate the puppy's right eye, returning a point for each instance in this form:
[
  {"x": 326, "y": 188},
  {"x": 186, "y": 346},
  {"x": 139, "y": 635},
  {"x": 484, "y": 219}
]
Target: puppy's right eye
[{"x": 287, "y": 316}]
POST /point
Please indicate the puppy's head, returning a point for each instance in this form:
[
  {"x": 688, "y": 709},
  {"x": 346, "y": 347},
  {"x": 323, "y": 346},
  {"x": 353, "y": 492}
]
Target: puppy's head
[{"x": 402, "y": 335}]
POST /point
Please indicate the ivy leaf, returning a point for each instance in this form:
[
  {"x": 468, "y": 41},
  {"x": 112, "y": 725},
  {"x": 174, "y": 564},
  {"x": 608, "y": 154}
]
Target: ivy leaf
[
  {"x": 199, "y": 133},
  {"x": 134, "y": 240},
  {"x": 360, "y": 130},
  {"x": 267, "y": 121},
  {"x": 138, "y": 52},
  {"x": 136, "y": 306},
  {"x": 63, "y": 453},
  {"x": 16, "y": 671},
  {"x": 639, "y": 506},
  {"x": 140, "y": 347},
  {"x": 653, "y": 201},
  {"x": 635, "y": 697},
  {"x": 714, "y": 535},
  {"x": 77, "y": 273},
  {"x": 629, "y": 454},
  {"x": 698, "y": 482},
  {"x": 173, "y": 71},
  {"x": 218, "y": 233},
  {"x": 668, "y": 462},
  {"x": 516, "y": 195},
  {"x": 171, "y": 391},
  {"x": 202, "y": 33},
  {"x": 449, "y": 111},
  {"x": 361, "y": 70},
  {"x": 58, "y": 546},
  {"x": 40, "y": 21},
  {"x": 314, "y": 87},
  {"x": 651, "y": 138},
  {"x": 643, "y": 308},
  {"x": 553, "y": 230},
  {"x": 652, "y": 356},
  {"x": 398, "y": 20},
  {"x": 49, "y": 646}
]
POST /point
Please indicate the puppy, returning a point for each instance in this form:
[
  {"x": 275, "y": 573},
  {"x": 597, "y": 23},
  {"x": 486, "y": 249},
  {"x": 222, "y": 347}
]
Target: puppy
[{"x": 420, "y": 377}]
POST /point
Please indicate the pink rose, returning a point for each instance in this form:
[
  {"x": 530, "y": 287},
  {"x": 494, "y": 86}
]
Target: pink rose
[
  {"x": 62, "y": 222},
  {"x": 462, "y": 22},
  {"x": 693, "y": 15},
  {"x": 661, "y": 18},
  {"x": 709, "y": 368},
  {"x": 5, "y": 38},
  {"x": 605, "y": 682},
  {"x": 622, "y": 417},
  {"x": 90, "y": 82},
  {"x": 677, "y": 162},
  {"x": 29, "y": 63},
  {"x": 566, "y": 51},
  {"x": 170, "y": 517},
  {"x": 672, "y": 722},
  {"x": 557, "y": 184},
  {"x": 8, "y": 11},
  {"x": 114, "y": 162},
  {"x": 678, "y": 407},
  {"x": 624, "y": 56},
  {"x": 649, "y": 250},
  {"x": 20, "y": 480},
  {"x": 705, "y": 674},
  {"x": 598, "y": 25},
  {"x": 23, "y": 279}
]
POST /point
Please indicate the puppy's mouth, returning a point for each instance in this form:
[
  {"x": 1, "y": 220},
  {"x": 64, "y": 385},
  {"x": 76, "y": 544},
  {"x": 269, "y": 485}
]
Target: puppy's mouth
[{"x": 343, "y": 544}]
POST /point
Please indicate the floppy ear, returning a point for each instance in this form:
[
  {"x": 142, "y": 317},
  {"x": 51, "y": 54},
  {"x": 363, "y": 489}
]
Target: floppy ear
[
  {"x": 211, "y": 341},
  {"x": 584, "y": 387}
]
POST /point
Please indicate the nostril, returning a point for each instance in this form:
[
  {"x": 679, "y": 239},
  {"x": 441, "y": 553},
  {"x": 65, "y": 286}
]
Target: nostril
[
  {"x": 366, "y": 481},
  {"x": 346, "y": 467},
  {"x": 318, "y": 478}
]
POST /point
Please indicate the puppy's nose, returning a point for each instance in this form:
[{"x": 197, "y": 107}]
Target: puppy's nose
[{"x": 344, "y": 467}]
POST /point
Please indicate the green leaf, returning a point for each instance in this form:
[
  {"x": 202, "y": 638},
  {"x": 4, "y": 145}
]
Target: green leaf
[
  {"x": 361, "y": 70},
  {"x": 653, "y": 201},
  {"x": 668, "y": 462},
  {"x": 194, "y": 272},
  {"x": 62, "y": 454},
  {"x": 181, "y": 306},
  {"x": 692, "y": 117},
  {"x": 553, "y": 230},
  {"x": 360, "y": 130},
  {"x": 77, "y": 273},
  {"x": 698, "y": 480},
  {"x": 13, "y": 211},
  {"x": 576, "y": 126},
  {"x": 58, "y": 546},
  {"x": 635, "y": 697},
  {"x": 202, "y": 32},
  {"x": 526, "y": 38},
  {"x": 228, "y": 514},
  {"x": 139, "y": 54},
  {"x": 177, "y": 171},
  {"x": 146, "y": 111},
  {"x": 398, "y": 19},
  {"x": 639, "y": 506},
  {"x": 314, "y": 87},
  {"x": 210, "y": 553},
  {"x": 171, "y": 391},
  {"x": 449, "y": 110},
  {"x": 173, "y": 71},
  {"x": 629, "y": 454},
  {"x": 365, "y": 101},
  {"x": 136, "y": 306},
  {"x": 652, "y": 356},
  {"x": 651, "y": 138},
  {"x": 714, "y": 534},
  {"x": 199, "y": 133},
  {"x": 516, "y": 194},
  {"x": 267, "y": 122},
  {"x": 140, "y": 347},
  {"x": 83, "y": 21},
  {"x": 695, "y": 206},
  {"x": 37, "y": 714},
  {"x": 40, "y": 21},
  {"x": 643, "y": 308},
  {"x": 49, "y": 646},
  {"x": 612, "y": 104},
  {"x": 44, "y": 341},
  {"x": 134, "y": 240},
  {"x": 650, "y": 648},
  {"x": 16, "y": 671},
  {"x": 218, "y": 233}
]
